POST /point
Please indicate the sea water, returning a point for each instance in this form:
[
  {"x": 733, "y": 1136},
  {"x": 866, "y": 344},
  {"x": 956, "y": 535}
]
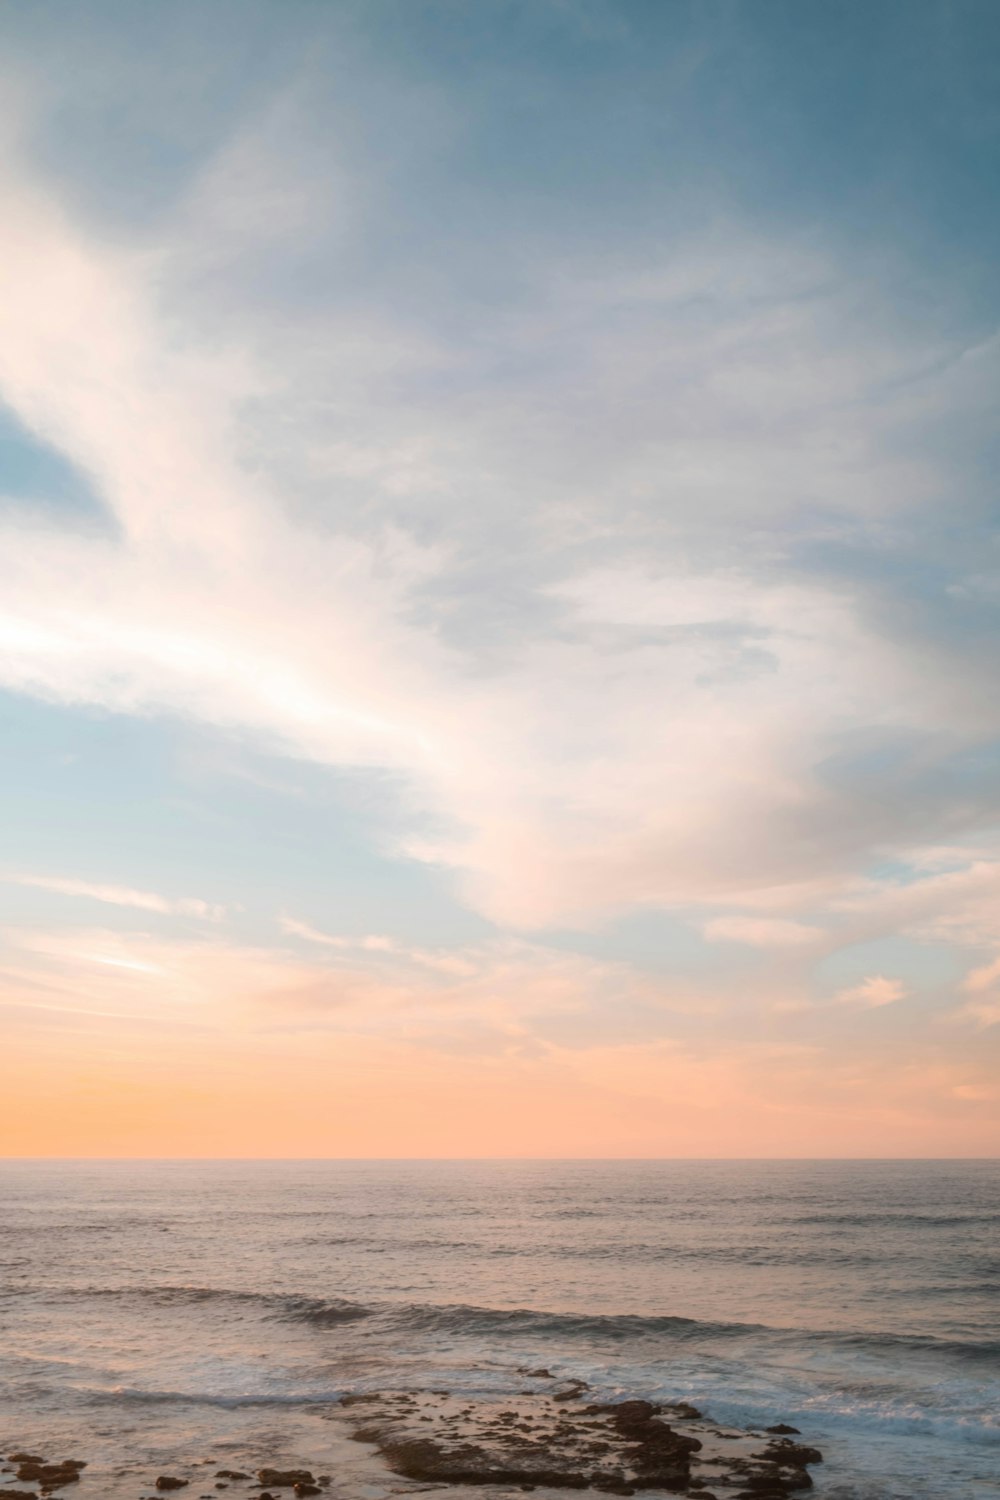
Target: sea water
[{"x": 155, "y": 1305}]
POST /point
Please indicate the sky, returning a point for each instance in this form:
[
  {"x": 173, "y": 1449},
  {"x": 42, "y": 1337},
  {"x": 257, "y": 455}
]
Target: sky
[{"x": 499, "y": 578}]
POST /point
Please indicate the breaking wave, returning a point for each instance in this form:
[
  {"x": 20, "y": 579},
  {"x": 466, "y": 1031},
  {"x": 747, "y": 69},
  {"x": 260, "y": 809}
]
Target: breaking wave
[{"x": 465, "y": 1320}]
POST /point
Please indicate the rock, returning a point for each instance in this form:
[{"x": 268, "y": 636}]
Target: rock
[
  {"x": 305, "y": 1490},
  {"x": 614, "y": 1448},
  {"x": 782, "y": 1428},
  {"x": 574, "y": 1389},
  {"x": 49, "y": 1476},
  {"x": 363, "y": 1435},
  {"x": 623, "y": 1413},
  {"x": 795, "y": 1455},
  {"x": 612, "y": 1484},
  {"x": 424, "y": 1459},
  {"x": 285, "y": 1478},
  {"x": 777, "y": 1485},
  {"x": 18, "y": 1495},
  {"x": 25, "y": 1458},
  {"x": 676, "y": 1479},
  {"x": 231, "y": 1474},
  {"x": 659, "y": 1457},
  {"x": 168, "y": 1482}
]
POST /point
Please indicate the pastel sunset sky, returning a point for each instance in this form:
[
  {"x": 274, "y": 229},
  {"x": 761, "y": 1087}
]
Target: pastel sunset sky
[{"x": 499, "y": 578}]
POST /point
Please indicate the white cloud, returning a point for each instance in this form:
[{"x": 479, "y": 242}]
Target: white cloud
[
  {"x": 975, "y": 1093},
  {"x": 985, "y": 1011},
  {"x": 959, "y": 904},
  {"x": 874, "y": 991},
  {"x": 983, "y": 978},
  {"x": 761, "y": 932}
]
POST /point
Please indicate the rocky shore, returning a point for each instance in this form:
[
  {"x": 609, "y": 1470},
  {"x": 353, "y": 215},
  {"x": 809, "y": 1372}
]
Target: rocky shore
[
  {"x": 561, "y": 1440},
  {"x": 553, "y": 1437}
]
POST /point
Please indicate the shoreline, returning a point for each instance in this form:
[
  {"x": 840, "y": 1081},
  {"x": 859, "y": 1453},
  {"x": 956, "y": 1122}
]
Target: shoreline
[{"x": 394, "y": 1442}]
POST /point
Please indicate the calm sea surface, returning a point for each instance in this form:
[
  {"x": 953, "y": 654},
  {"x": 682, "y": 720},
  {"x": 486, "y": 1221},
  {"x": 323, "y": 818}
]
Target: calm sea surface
[{"x": 150, "y": 1305}]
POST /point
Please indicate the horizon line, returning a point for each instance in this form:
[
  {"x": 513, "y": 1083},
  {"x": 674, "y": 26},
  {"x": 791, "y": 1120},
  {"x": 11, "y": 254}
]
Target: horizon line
[{"x": 447, "y": 1159}]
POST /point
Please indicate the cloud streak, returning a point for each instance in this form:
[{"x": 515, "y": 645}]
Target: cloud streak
[{"x": 113, "y": 895}]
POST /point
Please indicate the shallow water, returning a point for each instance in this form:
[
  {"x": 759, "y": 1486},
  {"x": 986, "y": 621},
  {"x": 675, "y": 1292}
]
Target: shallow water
[{"x": 151, "y": 1306}]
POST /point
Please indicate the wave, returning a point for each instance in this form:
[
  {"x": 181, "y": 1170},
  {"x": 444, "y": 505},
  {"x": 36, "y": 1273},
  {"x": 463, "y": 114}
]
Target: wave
[
  {"x": 165, "y": 1294},
  {"x": 379, "y": 1245},
  {"x": 884, "y": 1218},
  {"x": 878, "y": 1409},
  {"x": 202, "y": 1398},
  {"x": 894, "y": 1417},
  {"x": 47, "y": 1226},
  {"x": 461, "y": 1318},
  {"x": 738, "y": 1254},
  {"x": 477, "y": 1322},
  {"x": 573, "y": 1213},
  {"x": 469, "y": 1321},
  {"x": 322, "y": 1311}
]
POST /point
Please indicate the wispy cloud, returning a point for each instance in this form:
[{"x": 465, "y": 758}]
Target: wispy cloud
[
  {"x": 445, "y": 962},
  {"x": 713, "y": 688},
  {"x": 115, "y": 895},
  {"x": 370, "y": 943}
]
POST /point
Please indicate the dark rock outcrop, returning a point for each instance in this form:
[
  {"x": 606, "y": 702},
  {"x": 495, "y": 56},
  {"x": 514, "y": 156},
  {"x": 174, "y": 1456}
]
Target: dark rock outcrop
[
  {"x": 616, "y": 1448},
  {"x": 427, "y": 1460},
  {"x": 49, "y": 1476},
  {"x": 795, "y": 1455}
]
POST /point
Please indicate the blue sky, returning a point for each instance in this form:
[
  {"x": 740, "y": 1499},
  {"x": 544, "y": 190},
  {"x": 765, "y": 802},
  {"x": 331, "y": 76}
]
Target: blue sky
[{"x": 500, "y": 569}]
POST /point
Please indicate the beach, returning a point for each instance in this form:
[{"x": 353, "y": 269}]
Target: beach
[{"x": 389, "y": 1327}]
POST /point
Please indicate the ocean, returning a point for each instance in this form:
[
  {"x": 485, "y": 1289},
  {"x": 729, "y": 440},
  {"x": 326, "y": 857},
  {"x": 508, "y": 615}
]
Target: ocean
[{"x": 149, "y": 1308}]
